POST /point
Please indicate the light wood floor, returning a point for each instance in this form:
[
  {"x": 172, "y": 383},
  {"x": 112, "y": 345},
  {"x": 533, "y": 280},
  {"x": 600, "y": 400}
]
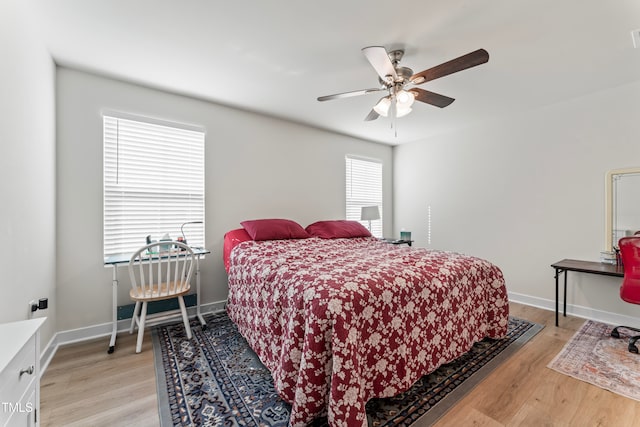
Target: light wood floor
[{"x": 85, "y": 386}]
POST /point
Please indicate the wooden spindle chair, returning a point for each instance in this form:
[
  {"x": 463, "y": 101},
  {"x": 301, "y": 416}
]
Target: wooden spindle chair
[{"x": 159, "y": 271}]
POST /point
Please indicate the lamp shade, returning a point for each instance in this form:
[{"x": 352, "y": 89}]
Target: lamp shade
[
  {"x": 404, "y": 99},
  {"x": 369, "y": 213},
  {"x": 382, "y": 107}
]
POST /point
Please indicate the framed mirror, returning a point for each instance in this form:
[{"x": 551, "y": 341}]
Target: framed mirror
[{"x": 622, "y": 205}]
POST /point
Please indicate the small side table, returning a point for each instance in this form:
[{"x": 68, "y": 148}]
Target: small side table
[{"x": 398, "y": 241}]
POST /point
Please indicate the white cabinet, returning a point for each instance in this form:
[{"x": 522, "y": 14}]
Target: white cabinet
[{"x": 20, "y": 373}]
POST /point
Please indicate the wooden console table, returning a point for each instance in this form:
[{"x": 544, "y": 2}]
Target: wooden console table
[{"x": 590, "y": 267}]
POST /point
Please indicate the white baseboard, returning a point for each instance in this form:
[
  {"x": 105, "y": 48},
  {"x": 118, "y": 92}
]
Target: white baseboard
[
  {"x": 576, "y": 310},
  {"x": 102, "y": 330}
]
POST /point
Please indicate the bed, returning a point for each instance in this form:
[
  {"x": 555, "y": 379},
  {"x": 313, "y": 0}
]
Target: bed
[{"x": 341, "y": 320}]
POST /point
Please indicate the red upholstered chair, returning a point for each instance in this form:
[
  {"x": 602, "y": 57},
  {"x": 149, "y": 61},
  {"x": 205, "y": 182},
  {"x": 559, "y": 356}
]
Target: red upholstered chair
[{"x": 630, "y": 289}]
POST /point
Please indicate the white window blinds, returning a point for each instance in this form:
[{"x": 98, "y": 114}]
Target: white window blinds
[
  {"x": 364, "y": 188},
  {"x": 153, "y": 183}
]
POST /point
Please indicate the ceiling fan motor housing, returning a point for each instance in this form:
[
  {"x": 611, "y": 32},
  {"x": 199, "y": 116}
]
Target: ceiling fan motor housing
[{"x": 403, "y": 74}]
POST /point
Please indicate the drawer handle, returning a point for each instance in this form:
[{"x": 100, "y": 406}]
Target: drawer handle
[{"x": 29, "y": 371}]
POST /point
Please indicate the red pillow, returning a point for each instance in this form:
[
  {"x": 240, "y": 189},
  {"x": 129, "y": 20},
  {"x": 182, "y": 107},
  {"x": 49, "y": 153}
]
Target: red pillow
[
  {"x": 274, "y": 229},
  {"x": 337, "y": 229}
]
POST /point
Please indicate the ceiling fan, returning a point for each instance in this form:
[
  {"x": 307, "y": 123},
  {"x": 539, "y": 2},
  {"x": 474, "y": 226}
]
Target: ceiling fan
[{"x": 400, "y": 82}]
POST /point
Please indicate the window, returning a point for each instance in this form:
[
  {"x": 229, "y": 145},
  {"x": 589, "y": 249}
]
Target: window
[
  {"x": 364, "y": 188},
  {"x": 153, "y": 182}
]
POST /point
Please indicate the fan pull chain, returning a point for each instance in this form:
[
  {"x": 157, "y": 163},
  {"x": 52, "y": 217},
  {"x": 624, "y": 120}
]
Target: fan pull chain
[{"x": 393, "y": 113}]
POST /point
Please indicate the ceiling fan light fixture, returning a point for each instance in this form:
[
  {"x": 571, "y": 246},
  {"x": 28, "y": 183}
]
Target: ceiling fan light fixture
[
  {"x": 405, "y": 99},
  {"x": 382, "y": 107}
]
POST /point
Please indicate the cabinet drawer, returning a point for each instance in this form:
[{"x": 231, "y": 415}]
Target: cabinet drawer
[
  {"x": 23, "y": 415},
  {"x": 12, "y": 384}
]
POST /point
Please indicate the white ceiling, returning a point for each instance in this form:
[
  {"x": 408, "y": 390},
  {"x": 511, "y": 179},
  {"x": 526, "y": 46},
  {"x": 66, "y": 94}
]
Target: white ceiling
[{"x": 276, "y": 57}]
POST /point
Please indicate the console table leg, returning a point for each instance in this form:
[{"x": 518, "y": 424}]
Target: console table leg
[
  {"x": 557, "y": 286},
  {"x": 565, "y": 295}
]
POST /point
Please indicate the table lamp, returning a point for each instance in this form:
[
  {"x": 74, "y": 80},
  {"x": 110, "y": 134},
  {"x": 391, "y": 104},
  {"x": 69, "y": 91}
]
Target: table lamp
[
  {"x": 184, "y": 238},
  {"x": 369, "y": 213}
]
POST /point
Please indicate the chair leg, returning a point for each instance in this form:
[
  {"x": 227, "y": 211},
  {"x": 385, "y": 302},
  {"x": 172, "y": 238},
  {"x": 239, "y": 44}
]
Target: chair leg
[
  {"x": 616, "y": 334},
  {"x": 185, "y": 318},
  {"x": 136, "y": 310},
  {"x": 143, "y": 318}
]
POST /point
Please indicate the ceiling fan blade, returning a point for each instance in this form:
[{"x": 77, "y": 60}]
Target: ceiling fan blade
[
  {"x": 431, "y": 98},
  {"x": 348, "y": 94},
  {"x": 371, "y": 116},
  {"x": 379, "y": 60},
  {"x": 463, "y": 62}
]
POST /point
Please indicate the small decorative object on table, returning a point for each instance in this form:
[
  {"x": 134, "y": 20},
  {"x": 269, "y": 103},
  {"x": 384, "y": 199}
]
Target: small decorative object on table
[
  {"x": 608, "y": 257},
  {"x": 165, "y": 247}
]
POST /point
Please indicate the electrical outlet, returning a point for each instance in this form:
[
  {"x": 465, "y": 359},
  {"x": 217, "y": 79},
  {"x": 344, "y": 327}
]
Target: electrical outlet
[
  {"x": 635, "y": 36},
  {"x": 32, "y": 306}
]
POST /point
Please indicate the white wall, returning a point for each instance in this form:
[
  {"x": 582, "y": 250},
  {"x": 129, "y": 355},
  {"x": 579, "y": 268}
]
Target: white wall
[
  {"x": 27, "y": 168},
  {"x": 525, "y": 191},
  {"x": 255, "y": 167}
]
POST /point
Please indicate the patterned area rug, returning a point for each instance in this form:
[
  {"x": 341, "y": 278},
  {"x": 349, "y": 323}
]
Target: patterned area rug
[
  {"x": 593, "y": 356},
  {"x": 215, "y": 379}
]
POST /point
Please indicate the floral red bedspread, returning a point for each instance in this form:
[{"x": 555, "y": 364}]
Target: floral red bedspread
[{"x": 341, "y": 321}]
